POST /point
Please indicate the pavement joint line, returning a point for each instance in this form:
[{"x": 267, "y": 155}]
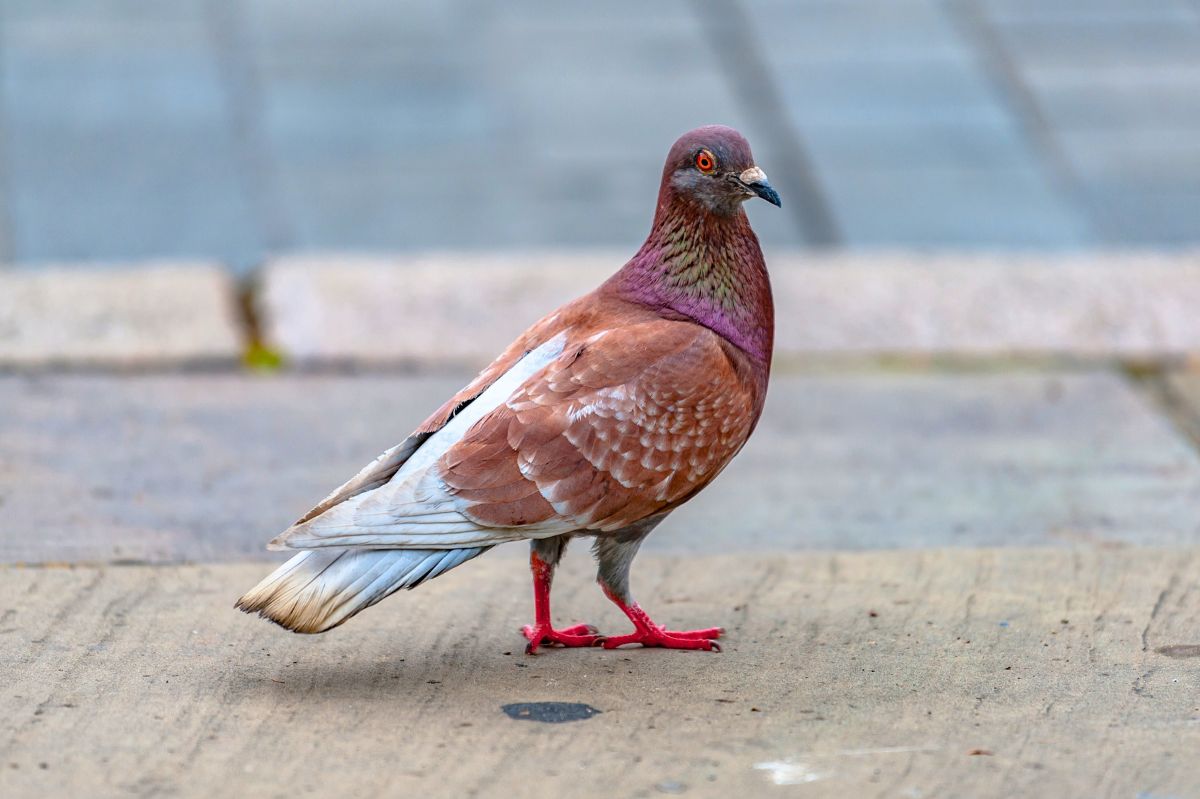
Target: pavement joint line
[
  {"x": 783, "y": 364},
  {"x": 256, "y": 354},
  {"x": 732, "y": 37},
  {"x": 984, "y": 363},
  {"x": 1005, "y": 76},
  {"x": 1151, "y": 382}
]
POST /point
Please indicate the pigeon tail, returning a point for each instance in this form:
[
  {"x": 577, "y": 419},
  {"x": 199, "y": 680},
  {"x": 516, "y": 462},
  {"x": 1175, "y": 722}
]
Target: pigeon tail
[{"x": 319, "y": 589}]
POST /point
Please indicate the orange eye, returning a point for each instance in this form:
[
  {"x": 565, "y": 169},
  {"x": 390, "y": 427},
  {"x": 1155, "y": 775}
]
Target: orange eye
[{"x": 706, "y": 162}]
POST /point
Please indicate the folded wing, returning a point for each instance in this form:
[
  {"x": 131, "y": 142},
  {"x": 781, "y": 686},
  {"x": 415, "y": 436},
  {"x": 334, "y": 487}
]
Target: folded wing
[{"x": 590, "y": 434}]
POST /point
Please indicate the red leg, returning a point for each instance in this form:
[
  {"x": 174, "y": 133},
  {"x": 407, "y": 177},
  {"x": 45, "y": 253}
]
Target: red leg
[
  {"x": 647, "y": 633},
  {"x": 541, "y": 631}
]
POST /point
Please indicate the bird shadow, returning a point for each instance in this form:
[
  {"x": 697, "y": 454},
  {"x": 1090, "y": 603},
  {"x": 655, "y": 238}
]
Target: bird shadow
[{"x": 373, "y": 677}]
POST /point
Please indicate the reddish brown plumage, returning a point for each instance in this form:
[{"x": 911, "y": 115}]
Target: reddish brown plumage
[
  {"x": 659, "y": 385},
  {"x": 640, "y": 394},
  {"x": 635, "y": 416}
]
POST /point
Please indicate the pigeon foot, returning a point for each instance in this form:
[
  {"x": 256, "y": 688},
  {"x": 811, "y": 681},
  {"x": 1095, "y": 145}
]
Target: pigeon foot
[
  {"x": 668, "y": 639},
  {"x": 539, "y": 634},
  {"x": 647, "y": 633}
]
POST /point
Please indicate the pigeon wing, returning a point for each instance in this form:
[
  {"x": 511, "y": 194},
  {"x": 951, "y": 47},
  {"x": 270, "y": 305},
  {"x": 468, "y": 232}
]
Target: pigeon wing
[
  {"x": 625, "y": 424},
  {"x": 379, "y": 471},
  {"x": 628, "y": 425}
]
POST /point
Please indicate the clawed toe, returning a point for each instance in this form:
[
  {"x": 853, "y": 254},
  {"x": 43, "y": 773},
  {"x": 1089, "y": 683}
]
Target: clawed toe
[
  {"x": 578, "y": 635},
  {"x": 710, "y": 633},
  {"x": 666, "y": 639}
]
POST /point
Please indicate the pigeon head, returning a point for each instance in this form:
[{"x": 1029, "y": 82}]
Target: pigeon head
[{"x": 713, "y": 168}]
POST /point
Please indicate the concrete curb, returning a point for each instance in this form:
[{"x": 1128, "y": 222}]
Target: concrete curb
[
  {"x": 459, "y": 308},
  {"x": 129, "y": 316}
]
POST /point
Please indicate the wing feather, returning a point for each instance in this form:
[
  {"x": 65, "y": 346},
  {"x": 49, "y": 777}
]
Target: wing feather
[
  {"x": 620, "y": 425},
  {"x": 629, "y": 425}
]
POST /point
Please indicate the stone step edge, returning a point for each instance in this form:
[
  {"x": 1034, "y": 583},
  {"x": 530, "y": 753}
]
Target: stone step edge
[
  {"x": 460, "y": 309},
  {"x": 456, "y": 308},
  {"x": 155, "y": 314}
]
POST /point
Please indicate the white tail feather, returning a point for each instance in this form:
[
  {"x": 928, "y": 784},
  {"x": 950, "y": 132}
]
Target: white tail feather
[{"x": 319, "y": 589}]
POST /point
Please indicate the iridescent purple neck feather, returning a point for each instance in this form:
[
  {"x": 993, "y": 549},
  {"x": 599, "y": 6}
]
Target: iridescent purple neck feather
[{"x": 702, "y": 264}]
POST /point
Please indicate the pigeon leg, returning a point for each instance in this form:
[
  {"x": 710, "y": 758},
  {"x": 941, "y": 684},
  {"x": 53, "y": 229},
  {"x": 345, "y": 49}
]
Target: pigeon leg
[
  {"x": 615, "y": 554},
  {"x": 543, "y": 559},
  {"x": 647, "y": 633}
]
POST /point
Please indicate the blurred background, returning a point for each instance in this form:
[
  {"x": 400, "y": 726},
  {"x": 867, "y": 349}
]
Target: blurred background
[{"x": 234, "y": 129}]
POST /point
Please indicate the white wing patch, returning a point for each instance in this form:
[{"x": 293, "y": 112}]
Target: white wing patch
[
  {"x": 414, "y": 509},
  {"x": 491, "y": 399}
]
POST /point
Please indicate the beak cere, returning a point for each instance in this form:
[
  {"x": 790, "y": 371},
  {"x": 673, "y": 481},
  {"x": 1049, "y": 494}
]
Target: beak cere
[{"x": 755, "y": 180}]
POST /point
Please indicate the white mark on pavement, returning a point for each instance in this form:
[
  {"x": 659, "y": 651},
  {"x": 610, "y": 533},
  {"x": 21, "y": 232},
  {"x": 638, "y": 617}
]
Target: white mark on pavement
[
  {"x": 786, "y": 772},
  {"x": 797, "y": 772}
]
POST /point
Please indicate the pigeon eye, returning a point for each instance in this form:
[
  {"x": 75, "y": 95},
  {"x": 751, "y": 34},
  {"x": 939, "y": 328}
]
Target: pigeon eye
[{"x": 706, "y": 162}]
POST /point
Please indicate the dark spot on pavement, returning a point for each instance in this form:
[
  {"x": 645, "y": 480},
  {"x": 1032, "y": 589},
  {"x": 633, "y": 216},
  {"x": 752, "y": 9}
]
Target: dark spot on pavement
[
  {"x": 1180, "y": 651},
  {"x": 549, "y": 712}
]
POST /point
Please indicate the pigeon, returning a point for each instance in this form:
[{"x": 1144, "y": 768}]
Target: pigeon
[{"x": 599, "y": 420}]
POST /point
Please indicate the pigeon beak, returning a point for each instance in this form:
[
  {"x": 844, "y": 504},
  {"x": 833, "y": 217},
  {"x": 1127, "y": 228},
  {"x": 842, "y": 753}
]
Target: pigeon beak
[{"x": 755, "y": 181}]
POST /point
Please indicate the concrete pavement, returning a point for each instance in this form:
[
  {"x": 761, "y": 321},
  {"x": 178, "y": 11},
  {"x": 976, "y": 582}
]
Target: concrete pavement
[
  {"x": 189, "y": 468},
  {"x": 906, "y": 674},
  {"x": 941, "y": 578}
]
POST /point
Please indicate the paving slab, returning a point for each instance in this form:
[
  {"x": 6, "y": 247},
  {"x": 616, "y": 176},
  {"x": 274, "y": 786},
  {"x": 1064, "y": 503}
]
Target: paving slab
[
  {"x": 870, "y": 70},
  {"x": 167, "y": 314},
  {"x": 120, "y": 143},
  {"x": 912, "y": 674},
  {"x": 1033, "y": 218},
  {"x": 1105, "y": 41},
  {"x": 1145, "y": 214},
  {"x": 1180, "y": 394},
  {"x": 1153, "y": 158},
  {"x": 1187, "y": 384},
  {"x": 209, "y": 467},
  {"x": 234, "y": 130},
  {"x": 458, "y": 308}
]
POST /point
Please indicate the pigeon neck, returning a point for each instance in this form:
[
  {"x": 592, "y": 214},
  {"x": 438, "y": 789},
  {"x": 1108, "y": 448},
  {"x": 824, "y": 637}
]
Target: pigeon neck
[{"x": 707, "y": 267}]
